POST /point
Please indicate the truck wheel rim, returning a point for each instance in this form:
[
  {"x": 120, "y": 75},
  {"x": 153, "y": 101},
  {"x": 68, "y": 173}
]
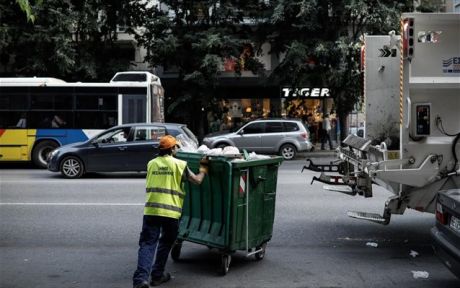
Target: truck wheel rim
[{"x": 71, "y": 167}]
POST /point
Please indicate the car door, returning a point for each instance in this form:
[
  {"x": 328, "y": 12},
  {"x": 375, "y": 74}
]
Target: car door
[
  {"x": 144, "y": 146},
  {"x": 249, "y": 136},
  {"x": 272, "y": 137},
  {"x": 109, "y": 151}
]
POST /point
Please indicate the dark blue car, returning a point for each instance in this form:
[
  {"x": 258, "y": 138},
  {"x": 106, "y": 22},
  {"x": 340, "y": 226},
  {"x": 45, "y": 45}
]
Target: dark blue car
[
  {"x": 127, "y": 147},
  {"x": 446, "y": 233}
]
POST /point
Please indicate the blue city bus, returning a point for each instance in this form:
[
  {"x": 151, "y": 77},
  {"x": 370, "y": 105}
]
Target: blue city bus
[{"x": 39, "y": 114}]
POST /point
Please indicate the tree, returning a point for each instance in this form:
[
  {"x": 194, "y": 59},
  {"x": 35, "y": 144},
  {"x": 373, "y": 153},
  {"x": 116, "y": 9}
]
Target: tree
[
  {"x": 321, "y": 42},
  {"x": 194, "y": 39},
  {"x": 318, "y": 41},
  {"x": 74, "y": 40},
  {"x": 24, "y": 5}
]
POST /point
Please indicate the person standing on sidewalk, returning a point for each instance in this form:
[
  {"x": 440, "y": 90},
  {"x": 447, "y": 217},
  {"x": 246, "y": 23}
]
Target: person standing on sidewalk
[
  {"x": 163, "y": 207},
  {"x": 326, "y": 132}
]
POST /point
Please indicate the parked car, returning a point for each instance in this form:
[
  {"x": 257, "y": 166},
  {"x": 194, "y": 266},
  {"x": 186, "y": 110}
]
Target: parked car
[
  {"x": 283, "y": 136},
  {"x": 127, "y": 147},
  {"x": 446, "y": 233}
]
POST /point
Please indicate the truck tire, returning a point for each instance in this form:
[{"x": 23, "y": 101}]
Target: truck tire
[{"x": 41, "y": 152}]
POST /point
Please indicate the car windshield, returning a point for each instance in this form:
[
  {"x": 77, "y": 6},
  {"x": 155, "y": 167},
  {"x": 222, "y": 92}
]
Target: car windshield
[
  {"x": 189, "y": 133},
  {"x": 186, "y": 143}
]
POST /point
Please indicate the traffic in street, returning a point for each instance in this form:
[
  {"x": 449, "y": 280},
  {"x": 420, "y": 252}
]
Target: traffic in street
[
  {"x": 230, "y": 144},
  {"x": 84, "y": 232}
]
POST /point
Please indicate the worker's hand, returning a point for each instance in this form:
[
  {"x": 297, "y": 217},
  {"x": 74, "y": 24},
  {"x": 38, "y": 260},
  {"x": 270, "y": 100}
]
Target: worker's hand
[
  {"x": 204, "y": 169},
  {"x": 204, "y": 161}
]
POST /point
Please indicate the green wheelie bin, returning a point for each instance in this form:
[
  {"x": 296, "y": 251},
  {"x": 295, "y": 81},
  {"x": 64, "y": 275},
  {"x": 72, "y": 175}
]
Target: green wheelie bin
[{"x": 233, "y": 209}]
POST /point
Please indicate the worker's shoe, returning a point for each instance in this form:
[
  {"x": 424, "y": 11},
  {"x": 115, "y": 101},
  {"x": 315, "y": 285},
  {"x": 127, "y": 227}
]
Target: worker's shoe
[
  {"x": 144, "y": 284},
  {"x": 158, "y": 281}
]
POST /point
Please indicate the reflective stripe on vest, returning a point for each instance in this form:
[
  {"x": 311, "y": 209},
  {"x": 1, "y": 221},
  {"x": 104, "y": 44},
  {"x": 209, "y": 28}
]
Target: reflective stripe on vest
[
  {"x": 164, "y": 188},
  {"x": 163, "y": 206},
  {"x": 166, "y": 191}
]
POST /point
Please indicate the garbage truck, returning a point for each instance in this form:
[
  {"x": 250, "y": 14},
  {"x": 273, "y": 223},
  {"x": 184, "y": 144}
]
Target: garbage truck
[{"x": 411, "y": 144}]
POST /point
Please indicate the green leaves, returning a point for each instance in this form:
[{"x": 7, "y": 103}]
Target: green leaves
[
  {"x": 27, "y": 8},
  {"x": 74, "y": 40}
]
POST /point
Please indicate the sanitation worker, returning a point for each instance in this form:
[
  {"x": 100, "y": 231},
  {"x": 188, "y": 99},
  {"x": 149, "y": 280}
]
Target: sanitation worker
[{"x": 163, "y": 207}]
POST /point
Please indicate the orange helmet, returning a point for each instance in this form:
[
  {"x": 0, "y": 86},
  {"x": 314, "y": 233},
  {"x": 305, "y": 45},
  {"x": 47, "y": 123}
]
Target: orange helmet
[{"x": 167, "y": 142}]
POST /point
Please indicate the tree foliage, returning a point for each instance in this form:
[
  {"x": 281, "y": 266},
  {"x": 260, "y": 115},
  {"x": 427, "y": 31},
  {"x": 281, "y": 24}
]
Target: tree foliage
[
  {"x": 317, "y": 42},
  {"x": 194, "y": 39},
  {"x": 74, "y": 39},
  {"x": 321, "y": 42},
  {"x": 25, "y": 6}
]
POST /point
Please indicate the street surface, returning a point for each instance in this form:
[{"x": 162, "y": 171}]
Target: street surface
[{"x": 56, "y": 232}]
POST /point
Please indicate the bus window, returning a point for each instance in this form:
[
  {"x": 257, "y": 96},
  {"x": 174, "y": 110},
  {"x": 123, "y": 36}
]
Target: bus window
[
  {"x": 13, "y": 101},
  {"x": 13, "y": 119},
  {"x": 95, "y": 119}
]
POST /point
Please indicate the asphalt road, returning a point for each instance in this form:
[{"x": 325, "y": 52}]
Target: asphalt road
[{"x": 56, "y": 232}]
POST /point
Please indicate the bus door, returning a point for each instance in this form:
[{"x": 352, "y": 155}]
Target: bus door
[
  {"x": 14, "y": 144},
  {"x": 133, "y": 108}
]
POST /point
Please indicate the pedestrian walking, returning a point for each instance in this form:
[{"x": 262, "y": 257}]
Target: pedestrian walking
[
  {"x": 163, "y": 207},
  {"x": 326, "y": 132}
]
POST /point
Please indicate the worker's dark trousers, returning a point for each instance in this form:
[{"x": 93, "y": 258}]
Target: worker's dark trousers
[{"x": 150, "y": 242}]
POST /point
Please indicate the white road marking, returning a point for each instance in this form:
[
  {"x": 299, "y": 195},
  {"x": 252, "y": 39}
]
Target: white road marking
[
  {"x": 69, "y": 204},
  {"x": 65, "y": 181}
]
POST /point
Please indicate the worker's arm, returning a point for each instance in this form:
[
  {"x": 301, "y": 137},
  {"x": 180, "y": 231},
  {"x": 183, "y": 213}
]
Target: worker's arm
[{"x": 195, "y": 178}]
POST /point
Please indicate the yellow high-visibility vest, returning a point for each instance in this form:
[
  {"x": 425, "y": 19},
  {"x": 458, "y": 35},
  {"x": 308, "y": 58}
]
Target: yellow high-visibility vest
[{"x": 164, "y": 188}]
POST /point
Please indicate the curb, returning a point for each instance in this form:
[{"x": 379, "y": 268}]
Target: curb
[{"x": 317, "y": 154}]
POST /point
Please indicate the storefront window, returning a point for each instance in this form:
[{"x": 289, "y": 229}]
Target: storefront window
[{"x": 231, "y": 114}]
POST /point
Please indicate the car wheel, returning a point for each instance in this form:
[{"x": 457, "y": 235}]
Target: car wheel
[
  {"x": 72, "y": 167},
  {"x": 41, "y": 152},
  {"x": 288, "y": 151}
]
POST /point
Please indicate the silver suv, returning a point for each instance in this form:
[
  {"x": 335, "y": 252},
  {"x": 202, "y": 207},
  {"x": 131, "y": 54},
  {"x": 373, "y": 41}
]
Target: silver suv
[{"x": 283, "y": 136}]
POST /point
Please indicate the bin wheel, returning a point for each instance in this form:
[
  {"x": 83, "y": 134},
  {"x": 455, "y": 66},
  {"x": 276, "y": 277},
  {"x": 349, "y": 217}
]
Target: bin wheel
[
  {"x": 175, "y": 251},
  {"x": 225, "y": 264},
  {"x": 260, "y": 255}
]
